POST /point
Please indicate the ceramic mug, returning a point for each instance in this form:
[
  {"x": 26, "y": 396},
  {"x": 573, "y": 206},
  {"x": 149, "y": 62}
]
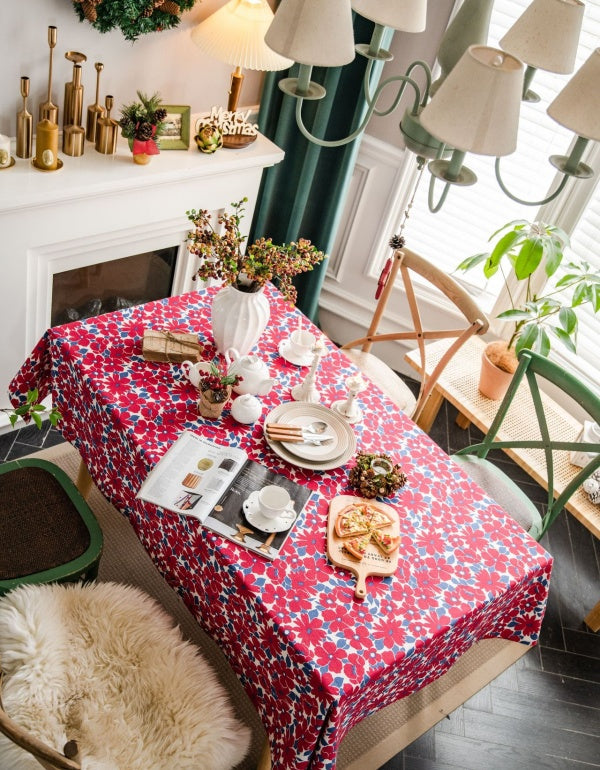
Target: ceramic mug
[
  {"x": 273, "y": 501},
  {"x": 301, "y": 342},
  {"x": 194, "y": 371}
]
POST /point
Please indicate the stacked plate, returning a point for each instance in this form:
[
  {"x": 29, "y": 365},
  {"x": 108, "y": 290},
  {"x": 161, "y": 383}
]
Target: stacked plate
[{"x": 318, "y": 457}]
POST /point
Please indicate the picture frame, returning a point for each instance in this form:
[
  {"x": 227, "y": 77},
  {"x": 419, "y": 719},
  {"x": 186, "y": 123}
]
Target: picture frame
[{"x": 176, "y": 135}]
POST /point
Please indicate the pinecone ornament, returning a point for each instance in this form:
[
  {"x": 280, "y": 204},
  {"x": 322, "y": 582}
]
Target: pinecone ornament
[
  {"x": 209, "y": 138},
  {"x": 168, "y": 6},
  {"x": 144, "y": 132},
  {"x": 159, "y": 116},
  {"x": 397, "y": 242}
]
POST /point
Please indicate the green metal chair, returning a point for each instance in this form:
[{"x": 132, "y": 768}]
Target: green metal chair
[
  {"x": 47, "y": 531},
  {"x": 473, "y": 459}
]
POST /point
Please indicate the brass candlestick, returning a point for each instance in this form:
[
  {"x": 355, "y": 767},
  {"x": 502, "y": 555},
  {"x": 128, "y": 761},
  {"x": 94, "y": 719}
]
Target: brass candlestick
[
  {"x": 24, "y": 124},
  {"x": 73, "y": 106},
  {"x": 107, "y": 131},
  {"x": 48, "y": 110},
  {"x": 96, "y": 110}
]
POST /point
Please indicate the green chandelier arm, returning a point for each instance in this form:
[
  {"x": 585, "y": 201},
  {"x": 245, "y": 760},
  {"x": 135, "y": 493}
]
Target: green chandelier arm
[
  {"x": 541, "y": 202},
  {"x": 370, "y": 111},
  {"x": 435, "y": 207}
]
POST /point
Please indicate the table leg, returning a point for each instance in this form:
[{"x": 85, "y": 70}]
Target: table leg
[
  {"x": 462, "y": 421},
  {"x": 592, "y": 619},
  {"x": 84, "y": 480},
  {"x": 430, "y": 410}
]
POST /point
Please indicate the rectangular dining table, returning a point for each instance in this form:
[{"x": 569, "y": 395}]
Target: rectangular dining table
[{"x": 314, "y": 660}]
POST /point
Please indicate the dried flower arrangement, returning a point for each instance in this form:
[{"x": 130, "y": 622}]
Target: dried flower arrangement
[
  {"x": 222, "y": 255},
  {"x": 217, "y": 384},
  {"x": 376, "y": 475}
]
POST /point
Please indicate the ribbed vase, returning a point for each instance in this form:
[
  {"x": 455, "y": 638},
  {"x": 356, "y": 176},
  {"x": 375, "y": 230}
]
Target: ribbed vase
[{"x": 238, "y": 319}]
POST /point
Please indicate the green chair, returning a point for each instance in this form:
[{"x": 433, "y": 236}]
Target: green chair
[
  {"x": 473, "y": 459},
  {"x": 47, "y": 531}
]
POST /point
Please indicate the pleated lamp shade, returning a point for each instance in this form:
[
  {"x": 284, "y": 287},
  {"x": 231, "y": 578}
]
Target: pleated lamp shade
[
  {"x": 313, "y": 32},
  {"x": 405, "y": 15},
  {"x": 545, "y": 36},
  {"x": 577, "y": 106},
  {"x": 476, "y": 109},
  {"x": 235, "y": 34}
]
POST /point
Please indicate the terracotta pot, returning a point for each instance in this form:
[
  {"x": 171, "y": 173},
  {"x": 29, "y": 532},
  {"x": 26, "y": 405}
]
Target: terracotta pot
[
  {"x": 493, "y": 381},
  {"x": 209, "y": 409}
]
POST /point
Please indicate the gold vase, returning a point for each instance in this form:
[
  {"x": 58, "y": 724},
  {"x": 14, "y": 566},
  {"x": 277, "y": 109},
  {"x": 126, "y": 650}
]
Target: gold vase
[{"x": 141, "y": 158}]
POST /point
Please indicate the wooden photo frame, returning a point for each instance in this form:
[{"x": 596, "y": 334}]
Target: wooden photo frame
[{"x": 176, "y": 135}]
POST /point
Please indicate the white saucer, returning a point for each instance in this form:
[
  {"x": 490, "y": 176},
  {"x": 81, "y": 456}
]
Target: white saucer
[
  {"x": 292, "y": 358},
  {"x": 255, "y": 517}
]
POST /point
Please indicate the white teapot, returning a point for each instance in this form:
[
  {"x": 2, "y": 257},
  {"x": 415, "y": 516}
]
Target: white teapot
[{"x": 253, "y": 371}]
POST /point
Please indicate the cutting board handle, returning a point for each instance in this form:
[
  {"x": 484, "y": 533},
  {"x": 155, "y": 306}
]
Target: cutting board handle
[{"x": 361, "y": 586}]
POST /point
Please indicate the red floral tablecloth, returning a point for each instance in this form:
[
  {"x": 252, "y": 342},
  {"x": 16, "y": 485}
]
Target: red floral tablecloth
[{"x": 313, "y": 659}]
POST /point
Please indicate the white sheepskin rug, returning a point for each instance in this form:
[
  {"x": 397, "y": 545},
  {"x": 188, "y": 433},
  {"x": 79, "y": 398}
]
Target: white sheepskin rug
[{"x": 103, "y": 665}]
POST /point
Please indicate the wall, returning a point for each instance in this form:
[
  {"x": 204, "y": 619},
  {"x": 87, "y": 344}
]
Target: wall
[{"x": 167, "y": 62}]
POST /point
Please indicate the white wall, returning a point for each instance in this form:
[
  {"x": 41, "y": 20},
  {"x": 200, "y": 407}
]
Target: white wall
[{"x": 167, "y": 62}]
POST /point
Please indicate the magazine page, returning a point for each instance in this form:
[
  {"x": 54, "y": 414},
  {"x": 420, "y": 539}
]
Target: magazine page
[
  {"x": 233, "y": 516},
  {"x": 192, "y": 475}
]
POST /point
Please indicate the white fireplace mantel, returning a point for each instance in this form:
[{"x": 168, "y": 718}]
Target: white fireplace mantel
[{"x": 98, "y": 208}]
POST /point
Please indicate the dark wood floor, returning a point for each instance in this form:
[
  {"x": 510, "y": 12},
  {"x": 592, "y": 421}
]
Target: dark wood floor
[{"x": 544, "y": 712}]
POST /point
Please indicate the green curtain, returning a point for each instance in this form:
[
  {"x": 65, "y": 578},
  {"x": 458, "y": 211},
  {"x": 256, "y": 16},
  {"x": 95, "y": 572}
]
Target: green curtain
[{"x": 304, "y": 195}]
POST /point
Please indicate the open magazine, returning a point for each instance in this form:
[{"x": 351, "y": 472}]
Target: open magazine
[{"x": 216, "y": 485}]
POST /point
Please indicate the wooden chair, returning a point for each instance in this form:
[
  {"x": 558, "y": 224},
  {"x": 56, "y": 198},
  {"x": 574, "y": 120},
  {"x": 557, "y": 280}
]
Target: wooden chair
[
  {"x": 97, "y": 675},
  {"x": 553, "y": 448},
  {"x": 407, "y": 261},
  {"x": 47, "y": 530}
]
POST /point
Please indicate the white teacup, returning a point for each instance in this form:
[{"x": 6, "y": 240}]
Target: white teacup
[
  {"x": 273, "y": 501},
  {"x": 195, "y": 371},
  {"x": 301, "y": 342}
]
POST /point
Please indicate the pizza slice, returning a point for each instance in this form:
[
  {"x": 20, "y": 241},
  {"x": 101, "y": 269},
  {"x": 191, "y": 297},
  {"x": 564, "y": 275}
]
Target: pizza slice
[
  {"x": 351, "y": 521},
  {"x": 386, "y": 543},
  {"x": 357, "y": 546},
  {"x": 376, "y": 517}
]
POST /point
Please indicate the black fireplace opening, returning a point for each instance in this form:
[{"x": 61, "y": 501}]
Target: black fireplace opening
[{"x": 85, "y": 292}]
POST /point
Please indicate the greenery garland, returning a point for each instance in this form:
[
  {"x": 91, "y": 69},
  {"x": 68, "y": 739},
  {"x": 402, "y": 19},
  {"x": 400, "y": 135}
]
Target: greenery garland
[{"x": 132, "y": 17}]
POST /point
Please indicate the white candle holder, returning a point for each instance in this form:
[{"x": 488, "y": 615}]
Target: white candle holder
[
  {"x": 306, "y": 390},
  {"x": 347, "y": 407}
]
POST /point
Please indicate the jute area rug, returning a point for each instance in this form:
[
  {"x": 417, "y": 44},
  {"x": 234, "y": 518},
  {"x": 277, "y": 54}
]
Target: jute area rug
[{"x": 124, "y": 560}]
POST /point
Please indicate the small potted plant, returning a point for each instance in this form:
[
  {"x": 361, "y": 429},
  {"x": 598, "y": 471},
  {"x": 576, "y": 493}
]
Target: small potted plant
[
  {"x": 141, "y": 124},
  {"x": 240, "y": 311},
  {"x": 532, "y": 252},
  {"x": 215, "y": 391}
]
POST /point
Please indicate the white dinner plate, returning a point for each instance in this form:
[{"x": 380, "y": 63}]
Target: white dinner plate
[
  {"x": 290, "y": 412},
  {"x": 254, "y": 516}
]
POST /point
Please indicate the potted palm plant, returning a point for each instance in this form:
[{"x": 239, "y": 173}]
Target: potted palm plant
[{"x": 528, "y": 256}]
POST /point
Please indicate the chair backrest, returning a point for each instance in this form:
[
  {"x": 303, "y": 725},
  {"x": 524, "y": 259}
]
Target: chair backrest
[
  {"x": 532, "y": 367},
  {"x": 407, "y": 261}
]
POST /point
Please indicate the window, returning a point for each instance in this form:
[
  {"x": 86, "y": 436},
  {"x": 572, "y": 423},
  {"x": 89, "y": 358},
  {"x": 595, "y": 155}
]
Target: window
[{"x": 470, "y": 215}]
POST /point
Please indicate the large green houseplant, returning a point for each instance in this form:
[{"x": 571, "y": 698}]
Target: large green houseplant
[{"x": 543, "y": 301}]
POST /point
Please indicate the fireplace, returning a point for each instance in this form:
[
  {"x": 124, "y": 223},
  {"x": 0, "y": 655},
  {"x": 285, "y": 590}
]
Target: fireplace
[
  {"x": 84, "y": 292},
  {"x": 103, "y": 232}
]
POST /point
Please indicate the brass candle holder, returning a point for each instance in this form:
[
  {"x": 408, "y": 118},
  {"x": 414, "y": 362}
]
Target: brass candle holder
[
  {"x": 73, "y": 106},
  {"x": 107, "y": 131},
  {"x": 48, "y": 110},
  {"x": 96, "y": 110},
  {"x": 24, "y": 124}
]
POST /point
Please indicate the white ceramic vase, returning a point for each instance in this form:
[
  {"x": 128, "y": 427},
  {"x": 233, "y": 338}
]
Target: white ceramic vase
[{"x": 238, "y": 319}]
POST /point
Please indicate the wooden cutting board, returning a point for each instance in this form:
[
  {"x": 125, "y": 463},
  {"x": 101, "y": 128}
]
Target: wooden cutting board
[{"x": 373, "y": 562}]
